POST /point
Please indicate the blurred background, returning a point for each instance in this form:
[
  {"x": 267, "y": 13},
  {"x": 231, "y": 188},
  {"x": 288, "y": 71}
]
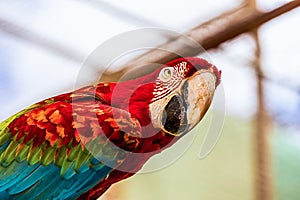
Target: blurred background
[{"x": 44, "y": 43}]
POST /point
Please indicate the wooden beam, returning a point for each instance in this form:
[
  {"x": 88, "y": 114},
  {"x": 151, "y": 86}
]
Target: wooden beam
[
  {"x": 209, "y": 35},
  {"x": 262, "y": 156}
]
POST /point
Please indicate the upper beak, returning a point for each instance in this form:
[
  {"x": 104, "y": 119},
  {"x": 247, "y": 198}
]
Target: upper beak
[{"x": 198, "y": 95}]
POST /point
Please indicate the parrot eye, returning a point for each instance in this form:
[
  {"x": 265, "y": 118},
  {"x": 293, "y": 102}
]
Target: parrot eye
[{"x": 166, "y": 73}]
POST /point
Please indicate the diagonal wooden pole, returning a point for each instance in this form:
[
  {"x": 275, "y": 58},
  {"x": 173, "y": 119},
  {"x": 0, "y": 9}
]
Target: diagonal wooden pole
[{"x": 210, "y": 35}]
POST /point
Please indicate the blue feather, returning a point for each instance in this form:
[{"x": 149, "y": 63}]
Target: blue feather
[
  {"x": 14, "y": 174},
  {"x": 41, "y": 185},
  {"x": 4, "y": 195},
  {"x": 45, "y": 182},
  {"x": 30, "y": 180}
]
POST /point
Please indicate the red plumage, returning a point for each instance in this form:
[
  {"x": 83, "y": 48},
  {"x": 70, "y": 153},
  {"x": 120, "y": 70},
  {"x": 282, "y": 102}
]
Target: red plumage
[{"x": 114, "y": 112}]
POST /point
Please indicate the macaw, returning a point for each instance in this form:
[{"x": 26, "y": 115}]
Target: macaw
[{"x": 76, "y": 145}]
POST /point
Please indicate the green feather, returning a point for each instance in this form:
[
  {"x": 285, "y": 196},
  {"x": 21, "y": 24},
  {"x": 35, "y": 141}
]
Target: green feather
[
  {"x": 4, "y": 137},
  {"x": 34, "y": 155},
  {"x": 82, "y": 158},
  {"x": 48, "y": 155},
  {"x": 23, "y": 153},
  {"x": 60, "y": 156},
  {"x": 95, "y": 147},
  {"x": 74, "y": 152},
  {"x": 67, "y": 169},
  {"x": 9, "y": 154},
  {"x": 5, "y": 123}
]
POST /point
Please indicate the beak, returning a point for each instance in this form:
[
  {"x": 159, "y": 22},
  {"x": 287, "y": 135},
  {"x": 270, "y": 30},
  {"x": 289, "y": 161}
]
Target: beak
[
  {"x": 198, "y": 95},
  {"x": 184, "y": 108}
]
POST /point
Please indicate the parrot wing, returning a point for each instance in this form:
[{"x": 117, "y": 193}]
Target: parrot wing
[{"x": 57, "y": 150}]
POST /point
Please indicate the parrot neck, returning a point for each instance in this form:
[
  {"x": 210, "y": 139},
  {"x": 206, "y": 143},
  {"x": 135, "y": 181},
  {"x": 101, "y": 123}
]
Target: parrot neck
[{"x": 135, "y": 96}]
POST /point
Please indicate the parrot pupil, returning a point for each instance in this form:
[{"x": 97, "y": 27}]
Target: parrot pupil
[
  {"x": 174, "y": 116},
  {"x": 168, "y": 72}
]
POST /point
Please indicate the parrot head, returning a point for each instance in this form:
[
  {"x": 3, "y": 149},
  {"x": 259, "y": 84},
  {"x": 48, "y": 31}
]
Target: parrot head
[
  {"x": 174, "y": 97},
  {"x": 183, "y": 93}
]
